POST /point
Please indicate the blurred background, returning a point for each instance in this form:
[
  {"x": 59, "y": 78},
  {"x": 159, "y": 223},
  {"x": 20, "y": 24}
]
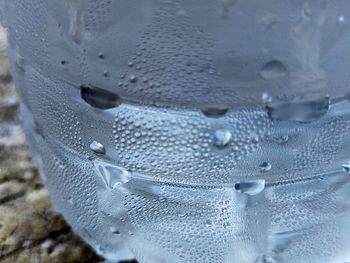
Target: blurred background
[{"x": 30, "y": 231}]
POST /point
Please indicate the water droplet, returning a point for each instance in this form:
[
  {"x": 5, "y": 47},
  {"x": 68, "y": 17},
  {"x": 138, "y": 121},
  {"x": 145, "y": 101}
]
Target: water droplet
[
  {"x": 346, "y": 167},
  {"x": 273, "y": 69},
  {"x": 181, "y": 214},
  {"x": 37, "y": 128},
  {"x": 97, "y": 147},
  {"x": 100, "y": 249},
  {"x": 133, "y": 79},
  {"x": 162, "y": 199},
  {"x": 101, "y": 55},
  {"x": 70, "y": 201},
  {"x": 222, "y": 138},
  {"x": 20, "y": 62},
  {"x": 208, "y": 223},
  {"x": 99, "y": 98},
  {"x": 283, "y": 139},
  {"x": 266, "y": 97},
  {"x": 255, "y": 138},
  {"x": 130, "y": 64},
  {"x": 227, "y": 224},
  {"x": 305, "y": 110},
  {"x": 342, "y": 20},
  {"x": 112, "y": 175},
  {"x": 215, "y": 111},
  {"x": 114, "y": 230},
  {"x": 250, "y": 187},
  {"x": 265, "y": 167},
  {"x": 105, "y": 73}
]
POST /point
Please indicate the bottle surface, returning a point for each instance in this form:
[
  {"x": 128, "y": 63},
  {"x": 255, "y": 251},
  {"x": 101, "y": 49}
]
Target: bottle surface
[{"x": 190, "y": 131}]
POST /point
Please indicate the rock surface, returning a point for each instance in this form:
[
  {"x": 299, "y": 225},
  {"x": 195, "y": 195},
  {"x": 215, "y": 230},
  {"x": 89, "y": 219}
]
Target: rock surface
[{"x": 30, "y": 230}]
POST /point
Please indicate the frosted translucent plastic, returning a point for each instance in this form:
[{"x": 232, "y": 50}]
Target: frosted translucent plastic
[{"x": 179, "y": 131}]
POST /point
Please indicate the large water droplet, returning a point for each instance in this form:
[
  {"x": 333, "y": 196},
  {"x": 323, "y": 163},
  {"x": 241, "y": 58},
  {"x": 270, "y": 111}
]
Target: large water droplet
[
  {"x": 64, "y": 63},
  {"x": 346, "y": 167},
  {"x": 250, "y": 187},
  {"x": 305, "y": 110},
  {"x": 265, "y": 167},
  {"x": 99, "y": 98},
  {"x": 112, "y": 175},
  {"x": 97, "y": 147},
  {"x": 214, "y": 111},
  {"x": 101, "y": 56},
  {"x": 106, "y": 73},
  {"x": 133, "y": 79},
  {"x": 222, "y": 138},
  {"x": 273, "y": 69},
  {"x": 114, "y": 230}
]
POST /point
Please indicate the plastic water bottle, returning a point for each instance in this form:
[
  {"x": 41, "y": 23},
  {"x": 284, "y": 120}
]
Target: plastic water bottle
[{"x": 191, "y": 131}]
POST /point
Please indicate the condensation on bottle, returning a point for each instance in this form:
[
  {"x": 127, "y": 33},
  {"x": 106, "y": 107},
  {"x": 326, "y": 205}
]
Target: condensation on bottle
[{"x": 190, "y": 131}]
